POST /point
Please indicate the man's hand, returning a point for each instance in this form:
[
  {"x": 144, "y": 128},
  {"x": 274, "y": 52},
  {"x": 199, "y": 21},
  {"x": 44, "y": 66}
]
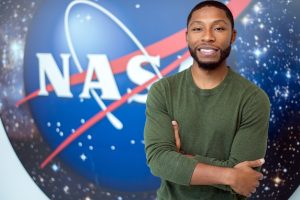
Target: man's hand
[
  {"x": 177, "y": 137},
  {"x": 244, "y": 179},
  {"x": 177, "y": 140}
]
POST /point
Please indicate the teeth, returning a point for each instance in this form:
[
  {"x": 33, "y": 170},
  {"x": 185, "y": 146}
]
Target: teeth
[{"x": 207, "y": 50}]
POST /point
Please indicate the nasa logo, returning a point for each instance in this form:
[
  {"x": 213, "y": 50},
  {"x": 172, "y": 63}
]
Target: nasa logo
[{"x": 86, "y": 77}]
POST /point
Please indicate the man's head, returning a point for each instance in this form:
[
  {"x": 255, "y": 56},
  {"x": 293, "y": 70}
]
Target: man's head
[
  {"x": 210, "y": 33},
  {"x": 213, "y": 4}
]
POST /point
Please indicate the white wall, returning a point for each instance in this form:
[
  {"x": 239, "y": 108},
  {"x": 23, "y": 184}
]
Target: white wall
[{"x": 15, "y": 183}]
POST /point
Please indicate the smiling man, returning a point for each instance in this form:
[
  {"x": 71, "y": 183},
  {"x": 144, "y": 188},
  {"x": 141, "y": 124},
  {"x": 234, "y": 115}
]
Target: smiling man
[{"x": 220, "y": 120}]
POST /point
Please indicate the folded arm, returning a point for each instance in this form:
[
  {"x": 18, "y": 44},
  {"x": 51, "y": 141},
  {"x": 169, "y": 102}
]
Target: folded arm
[
  {"x": 250, "y": 142},
  {"x": 163, "y": 159}
]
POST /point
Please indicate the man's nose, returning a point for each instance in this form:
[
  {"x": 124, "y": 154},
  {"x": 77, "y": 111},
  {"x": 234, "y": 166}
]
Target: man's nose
[{"x": 208, "y": 36}]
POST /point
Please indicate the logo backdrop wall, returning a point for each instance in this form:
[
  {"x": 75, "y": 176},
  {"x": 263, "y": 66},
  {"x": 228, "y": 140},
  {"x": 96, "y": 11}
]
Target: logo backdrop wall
[{"x": 75, "y": 76}]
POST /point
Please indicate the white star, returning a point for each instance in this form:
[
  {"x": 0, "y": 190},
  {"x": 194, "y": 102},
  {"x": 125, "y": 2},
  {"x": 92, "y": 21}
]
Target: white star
[
  {"x": 257, "y": 52},
  {"x": 246, "y": 20},
  {"x": 61, "y": 133},
  {"x": 288, "y": 74},
  {"x": 55, "y": 167},
  {"x": 66, "y": 189},
  {"x": 257, "y": 8},
  {"x": 83, "y": 157},
  {"x": 261, "y": 26},
  {"x": 16, "y": 50},
  {"x": 277, "y": 181},
  {"x": 267, "y": 188}
]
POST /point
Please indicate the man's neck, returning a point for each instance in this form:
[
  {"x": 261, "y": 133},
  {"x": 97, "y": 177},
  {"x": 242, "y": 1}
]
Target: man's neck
[{"x": 209, "y": 79}]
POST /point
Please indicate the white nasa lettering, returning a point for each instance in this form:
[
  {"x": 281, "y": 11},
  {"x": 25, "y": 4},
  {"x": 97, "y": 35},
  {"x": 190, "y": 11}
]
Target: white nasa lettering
[
  {"x": 60, "y": 83},
  {"x": 100, "y": 65},
  {"x": 139, "y": 75}
]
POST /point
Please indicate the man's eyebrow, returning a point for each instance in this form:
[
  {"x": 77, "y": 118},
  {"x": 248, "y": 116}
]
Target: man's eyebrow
[
  {"x": 214, "y": 22},
  {"x": 220, "y": 21},
  {"x": 196, "y": 22}
]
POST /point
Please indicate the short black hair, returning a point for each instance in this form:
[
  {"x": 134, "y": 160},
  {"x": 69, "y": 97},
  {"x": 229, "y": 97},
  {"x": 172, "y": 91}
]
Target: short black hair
[{"x": 216, "y": 4}]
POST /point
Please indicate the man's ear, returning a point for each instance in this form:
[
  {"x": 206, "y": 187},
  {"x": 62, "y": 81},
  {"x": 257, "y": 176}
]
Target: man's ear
[
  {"x": 186, "y": 35},
  {"x": 233, "y": 37}
]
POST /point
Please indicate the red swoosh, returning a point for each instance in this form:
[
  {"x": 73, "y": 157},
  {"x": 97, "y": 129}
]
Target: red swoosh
[
  {"x": 236, "y": 6},
  {"x": 163, "y": 48}
]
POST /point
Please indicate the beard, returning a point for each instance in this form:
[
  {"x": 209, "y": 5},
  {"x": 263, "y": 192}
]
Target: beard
[{"x": 210, "y": 65}]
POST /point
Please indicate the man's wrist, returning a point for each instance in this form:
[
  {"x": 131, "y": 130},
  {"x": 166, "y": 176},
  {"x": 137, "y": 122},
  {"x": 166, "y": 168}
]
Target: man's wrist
[{"x": 228, "y": 176}]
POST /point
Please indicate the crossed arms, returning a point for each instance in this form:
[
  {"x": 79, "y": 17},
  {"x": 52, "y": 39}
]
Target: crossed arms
[
  {"x": 242, "y": 178},
  {"x": 235, "y": 174}
]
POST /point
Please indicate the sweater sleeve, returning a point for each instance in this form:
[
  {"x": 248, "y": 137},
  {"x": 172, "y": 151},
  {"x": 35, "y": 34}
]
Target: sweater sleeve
[
  {"x": 160, "y": 147},
  {"x": 250, "y": 141}
]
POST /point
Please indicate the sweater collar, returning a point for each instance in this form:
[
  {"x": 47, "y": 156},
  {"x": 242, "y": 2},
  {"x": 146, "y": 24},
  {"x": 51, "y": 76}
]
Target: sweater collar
[{"x": 207, "y": 92}]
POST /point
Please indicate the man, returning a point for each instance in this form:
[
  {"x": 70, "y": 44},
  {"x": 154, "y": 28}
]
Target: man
[{"x": 222, "y": 118}]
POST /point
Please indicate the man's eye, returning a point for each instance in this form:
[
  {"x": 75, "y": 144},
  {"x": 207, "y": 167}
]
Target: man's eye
[
  {"x": 219, "y": 29},
  {"x": 196, "y": 29}
]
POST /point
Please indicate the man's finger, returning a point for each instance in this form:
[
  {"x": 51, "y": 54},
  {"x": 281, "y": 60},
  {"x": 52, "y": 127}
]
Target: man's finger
[
  {"x": 256, "y": 163},
  {"x": 260, "y": 176},
  {"x": 177, "y": 137},
  {"x": 175, "y": 125},
  {"x": 257, "y": 184}
]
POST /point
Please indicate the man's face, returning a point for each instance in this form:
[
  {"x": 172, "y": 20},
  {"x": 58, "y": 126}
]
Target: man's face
[{"x": 209, "y": 37}]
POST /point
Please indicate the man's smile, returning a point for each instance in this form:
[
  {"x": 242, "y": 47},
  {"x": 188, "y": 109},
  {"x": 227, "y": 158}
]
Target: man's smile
[{"x": 208, "y": 51}]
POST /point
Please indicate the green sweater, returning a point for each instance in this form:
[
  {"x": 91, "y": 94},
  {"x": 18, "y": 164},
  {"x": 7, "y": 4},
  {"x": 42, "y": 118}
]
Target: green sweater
[{"x": 222, "y": 126}]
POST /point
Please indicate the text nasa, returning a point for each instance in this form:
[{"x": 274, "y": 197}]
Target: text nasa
[{"x": 99, "y": 65}]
